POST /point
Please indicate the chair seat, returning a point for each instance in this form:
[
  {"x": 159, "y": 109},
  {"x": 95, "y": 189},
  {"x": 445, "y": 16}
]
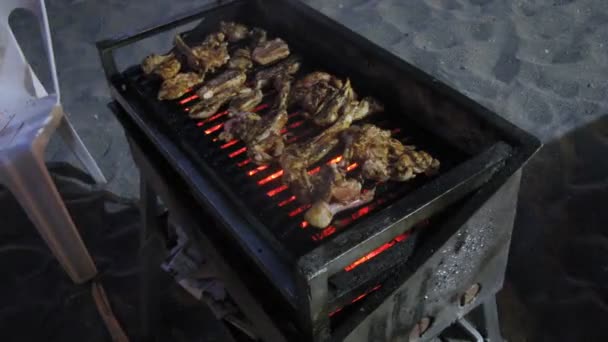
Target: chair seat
[{"x": 33, "y": 121}]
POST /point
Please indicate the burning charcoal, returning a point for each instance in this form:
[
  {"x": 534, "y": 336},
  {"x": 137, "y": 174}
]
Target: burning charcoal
[
  {"x": 177, "y": 86},
  {"x": 234, "y": 31},
  {"x": 166, "y": 66},
  {"x": 270, "y": 51}
]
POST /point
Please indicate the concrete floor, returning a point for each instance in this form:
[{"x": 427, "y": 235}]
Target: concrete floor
[{"x": 541, "y": 64}]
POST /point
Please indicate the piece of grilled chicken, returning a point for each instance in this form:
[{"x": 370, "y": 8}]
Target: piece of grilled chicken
[
  {"x": 261, "y": 135},
  {"x": 175, "y": 87},
  {"x": 382, "y": 157},
  {"x": 217, "y": 92},
  {"x": 240, "y": 60},
  {"x": 298, "y": 158},
  {"x": 234, "y": 32},
  {"x": 270, "y": 51},
  {"x": 265, "y": 77},
  {"x": 335, "y": 193},
  {"x": 324, "y": 97},
  {"x": 166, "y": 66},
  {"x": 230, "y": 79},
  {"x": 246, "y": 100},
  {"x": 211, "y": 54}
]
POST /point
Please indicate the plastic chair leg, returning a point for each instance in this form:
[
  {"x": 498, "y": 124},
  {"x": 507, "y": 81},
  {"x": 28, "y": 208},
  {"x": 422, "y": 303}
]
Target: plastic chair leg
[
  {"x": 29, "y": 180},
  {"x": 72, "y": 140}
]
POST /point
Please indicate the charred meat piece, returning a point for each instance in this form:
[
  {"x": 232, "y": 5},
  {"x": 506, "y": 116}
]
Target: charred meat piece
[
  {"x": 270, "y": 51},
  {"x": 166, "y": 66},
  {"x": 311, "y": 90},
  {"x": 333, "y": 106},
  {"x": 240, "y": 60},
  {"x": 297, "y": 158},
  {"x": 338, "y": 194},
  {"x": 207, "y": 108},
  {"x": 246, "y": 100},
  {"x": 383, "y": 157},
  {"x": 258, "y": 37},
  {"x": 211, "y": 54},
  {"x": 234, "y": 32},
  {"x": 231, "y": 79},
  {"x": 261, "y": 135},
  {"x": 288, "y": 67},
  {"x": 175, "y": 87}
]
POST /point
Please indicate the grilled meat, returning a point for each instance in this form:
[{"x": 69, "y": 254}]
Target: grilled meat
[
  {"x": 240, "y": 60},
  {"x": 208, "y": 107},
  {"x": 258, "y": 37},
  {"x": 333, "y": 105},
  {"x": 234, "y": 31},
  {"x": 246, "y": 100},
  {"x": 175, "y": 87},
  {"x": 264, "y": 77},
  {"x": 384, "y": 158},
  {"x": 261, "y": 135},
  {"x": 166, "y": 66},
  {"x": 231, "y": 79},
  {"x": 297, "y": 158},
  {"x": 211, "y": 54},
  {"x": 270, "y": 51},
  {"x": 322, "y": 212},
  {"x": 310, "y": 91}
]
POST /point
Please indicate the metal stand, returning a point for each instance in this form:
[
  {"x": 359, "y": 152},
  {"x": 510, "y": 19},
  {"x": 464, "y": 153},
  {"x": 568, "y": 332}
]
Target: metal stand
[{"x": 489, "y": 325}]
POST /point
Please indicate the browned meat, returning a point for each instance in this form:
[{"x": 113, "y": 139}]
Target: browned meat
[
  {"x": 382, "y": 157},
  {"x": 234, "y": 31},
  {"x": 246, "y": 100},
  {"x": 270, "y": 51},
  {"x": 241, "y": 60},
  {"x": 297, "y": 158},
  {"x": 289, "y": 67},
  {"x": 211, "y": 54},
  {"x": 231, "y": 79},
  {"x": 310, "y": 91},
  {"x": 333, "y": 105},
  {"x": 322, "y": 212},
  {"x": 261, "y": 135},
  {"x": 177, "y": 86},
  {"x": 166, "y": 66},
  {"x": 208, "y": 107},
  {"x": 258, "y": 37}
]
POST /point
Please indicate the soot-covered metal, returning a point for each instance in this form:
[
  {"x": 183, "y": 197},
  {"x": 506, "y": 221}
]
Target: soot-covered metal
[{"x": 379, "y": 262}]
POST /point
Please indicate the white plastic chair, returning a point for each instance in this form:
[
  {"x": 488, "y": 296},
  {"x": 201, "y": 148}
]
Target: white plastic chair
[{"x": 28, "y": 117}]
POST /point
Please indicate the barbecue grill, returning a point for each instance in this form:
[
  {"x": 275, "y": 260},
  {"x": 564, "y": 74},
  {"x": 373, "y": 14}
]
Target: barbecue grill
[{"x": 384, "y": 270}]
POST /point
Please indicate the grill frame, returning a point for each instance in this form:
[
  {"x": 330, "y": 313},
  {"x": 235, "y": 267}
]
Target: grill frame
[{"x": 307, "y": 289}]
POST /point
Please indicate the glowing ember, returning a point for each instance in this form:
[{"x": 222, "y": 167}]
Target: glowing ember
[
  {"x": 299, "y": 210},
  {"x": 275, "y": 191},
  {"x": 287, "y": 201},
  {"x": 271, "y": 177},
  {"x": 244, "y": 162},
  {"x": 188, "y": 99},
  {"x": 303, "y": 224},
  {"x": 213, "y": 129},
  {"x": 376, "y": 252},
  {"x": 324, "y": 233},
  {"x": 257, "y": 169},
  {"x": 228, "y": 144},
  {"x": 237, "y": 152},
  {"x": 296, "y": 124},
  {"x": 351, "y": 167}
]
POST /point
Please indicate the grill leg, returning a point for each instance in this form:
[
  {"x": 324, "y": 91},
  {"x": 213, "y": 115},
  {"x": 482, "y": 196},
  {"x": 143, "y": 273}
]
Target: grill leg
[
  {"x": 491, "y": 326},
  {"x": 151, "y": 255}
]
